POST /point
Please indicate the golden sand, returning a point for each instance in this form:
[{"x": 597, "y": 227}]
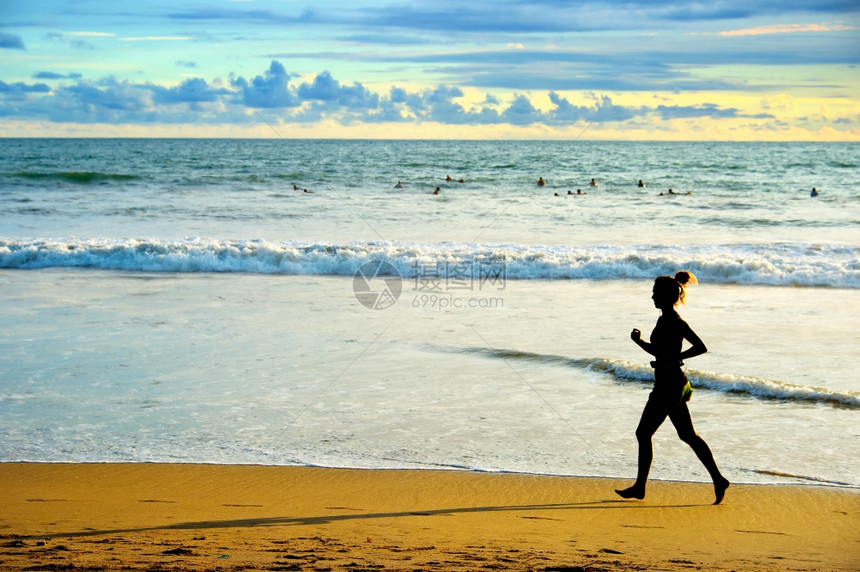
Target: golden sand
[{"x": 216, "y": 517}]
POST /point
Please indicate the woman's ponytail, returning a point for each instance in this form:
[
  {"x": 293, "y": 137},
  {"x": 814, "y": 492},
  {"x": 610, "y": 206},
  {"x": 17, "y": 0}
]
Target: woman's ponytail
[{"x": 683, "y": 278}]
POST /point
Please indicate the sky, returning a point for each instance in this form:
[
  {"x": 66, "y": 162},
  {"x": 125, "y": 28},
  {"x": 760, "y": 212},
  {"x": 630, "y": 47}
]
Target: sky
[{"x": 710, "y": 70}]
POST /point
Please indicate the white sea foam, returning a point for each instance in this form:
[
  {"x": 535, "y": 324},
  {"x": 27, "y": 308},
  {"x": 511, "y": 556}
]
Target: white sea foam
[
  {"x": 766, "y": 264},
  {"x": 739, "y": 384},
  {"x": 723, "y": 382}
]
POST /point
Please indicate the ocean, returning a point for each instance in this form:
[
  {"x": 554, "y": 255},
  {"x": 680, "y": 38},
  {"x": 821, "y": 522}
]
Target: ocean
[{"x": 280, "y": 302}]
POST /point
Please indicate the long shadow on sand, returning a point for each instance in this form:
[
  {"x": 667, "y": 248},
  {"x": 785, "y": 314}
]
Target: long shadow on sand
[{"x": 327, "y": 519}]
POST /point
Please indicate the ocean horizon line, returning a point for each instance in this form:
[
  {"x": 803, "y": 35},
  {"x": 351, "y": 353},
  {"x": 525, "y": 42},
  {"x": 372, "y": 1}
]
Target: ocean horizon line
[{"x": 437, "y": 139}]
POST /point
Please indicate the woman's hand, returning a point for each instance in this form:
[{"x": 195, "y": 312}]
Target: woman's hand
[{"x": 636, "y": 336}]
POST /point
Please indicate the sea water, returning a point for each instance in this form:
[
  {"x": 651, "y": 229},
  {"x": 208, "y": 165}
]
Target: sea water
[{"x": 280, "y": 302}]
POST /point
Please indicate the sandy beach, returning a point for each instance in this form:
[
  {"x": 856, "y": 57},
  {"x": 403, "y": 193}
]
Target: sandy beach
[{"x": 216, "y": 517}]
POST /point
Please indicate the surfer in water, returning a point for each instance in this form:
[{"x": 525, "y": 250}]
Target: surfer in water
[{"x": 671, "y": 388}]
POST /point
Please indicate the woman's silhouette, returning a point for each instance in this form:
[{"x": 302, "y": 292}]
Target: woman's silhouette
[{"x": 671, "y": 388}]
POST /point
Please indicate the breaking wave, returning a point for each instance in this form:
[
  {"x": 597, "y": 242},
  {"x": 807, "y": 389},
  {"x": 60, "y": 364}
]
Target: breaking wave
[
  {"x": 764, "y": 264},
  {"x": 727, "y": 383}
]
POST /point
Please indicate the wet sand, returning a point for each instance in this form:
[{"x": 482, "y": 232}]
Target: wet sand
[{"x": 217, "y": 517}]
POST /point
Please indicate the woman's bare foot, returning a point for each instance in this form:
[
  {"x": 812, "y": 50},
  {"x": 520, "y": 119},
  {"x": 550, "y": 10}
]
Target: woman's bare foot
[
  {"x": 720, "y": 487},
  {"x": 634, "y": 492}
]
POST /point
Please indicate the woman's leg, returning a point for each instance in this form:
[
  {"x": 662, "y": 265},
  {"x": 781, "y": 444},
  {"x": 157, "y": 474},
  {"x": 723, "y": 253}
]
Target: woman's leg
[
  {"x": 652, "y": 417},
  {"x": 683, "y": 423}
]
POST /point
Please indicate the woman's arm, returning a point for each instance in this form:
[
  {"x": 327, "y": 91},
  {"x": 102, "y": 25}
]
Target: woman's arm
[
  {"x": 698, "y": 346},
  {"x": 636, "y": 336}
]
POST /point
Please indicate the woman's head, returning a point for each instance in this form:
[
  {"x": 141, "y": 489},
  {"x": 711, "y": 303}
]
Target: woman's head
[{"x": 669, "y": 290}]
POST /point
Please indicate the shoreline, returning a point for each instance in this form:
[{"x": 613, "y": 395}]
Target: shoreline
[
  {"x": 799, "y": 481},
  {"x": 143, "y": 516}
]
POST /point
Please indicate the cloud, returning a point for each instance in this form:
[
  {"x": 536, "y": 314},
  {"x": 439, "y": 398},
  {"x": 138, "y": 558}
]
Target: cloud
[
  {"x": 108, "y": 95},
  {"x": 385, "y": 39},
  {"x": 93, "y": 34},
  {"x": 157, "y": 39},
  {"x": 195, "y": 100},
  {"x": 54, "y": 75},
  {"x": 75, "y": 43},
  {"x": 327, "y": 89},
  {"x": 428, "y": 20},
  {"x": 432, "y": 17},
  {"x": 667, "y": 112},
  {"x": 610, "y": 70},
  {"x": 20, "y": 88},
  {"x": 193, "y": 90},
  {"x": 239, "y": 16},
  {"x": 603, "y": 112},
  {"x": 438, "y": 105},
  {"x": 551, "y": 17},
  {"x": 786, "y": 29},
  {"x": 271, "y": 90},
  {"x": 521, "y": 112},
  {"x": 11, "y": 42},
  {"x": 398, "y": 95},
  {"x": 110, "y": 101},
  {"x": 425, "y": 20},
  {"x": 696, "y": 11}
]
